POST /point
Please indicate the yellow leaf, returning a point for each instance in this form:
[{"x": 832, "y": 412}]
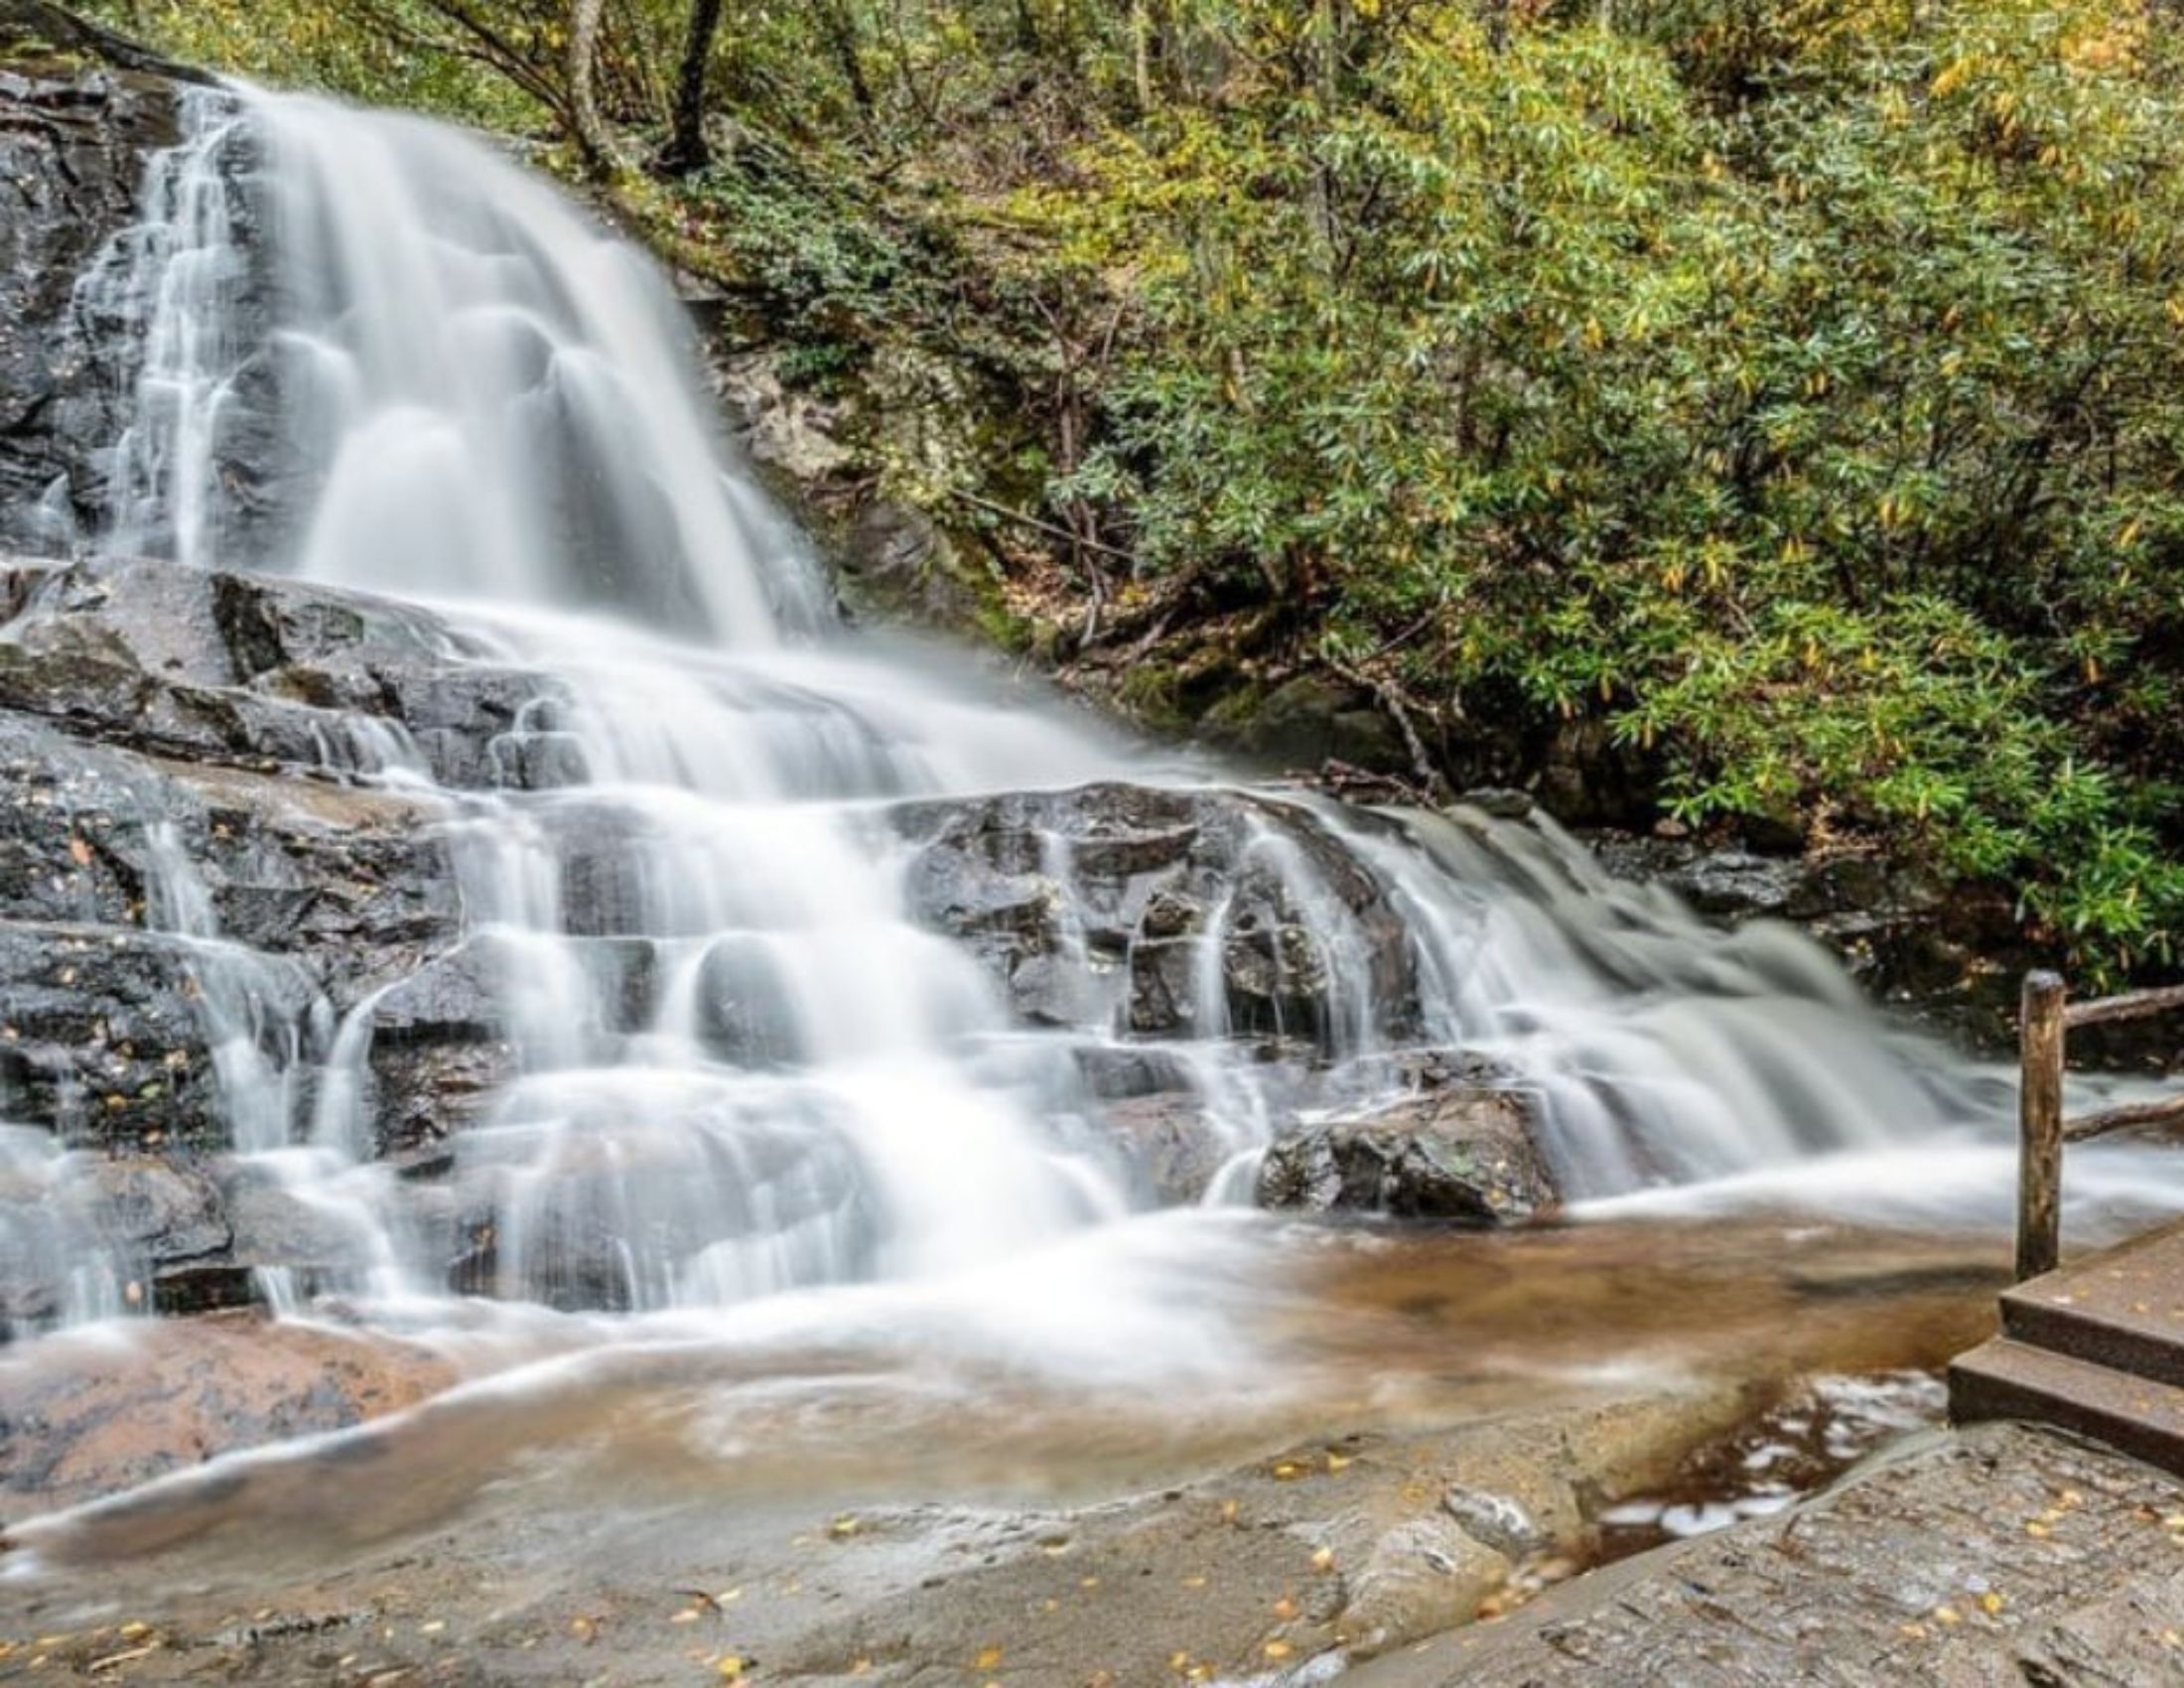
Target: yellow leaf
[
  {"x": 988, "y": 1658},
  {"x": 730, "y": 1669},
  {"x": 1277, "y": 1649}
]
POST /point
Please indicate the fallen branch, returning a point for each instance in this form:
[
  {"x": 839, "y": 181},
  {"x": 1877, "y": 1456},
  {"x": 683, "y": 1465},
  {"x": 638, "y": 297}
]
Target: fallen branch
[{"x": 1024, "y": 519}]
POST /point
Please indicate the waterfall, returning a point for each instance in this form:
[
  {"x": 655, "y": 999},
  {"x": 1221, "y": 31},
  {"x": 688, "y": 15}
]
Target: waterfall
[
  {"x": 468, "y": 389},
  {"x": 384, "y": 358}
]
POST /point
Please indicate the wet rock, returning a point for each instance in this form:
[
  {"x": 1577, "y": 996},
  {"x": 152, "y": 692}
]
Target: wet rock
[
  {"x": 1162, "y": 913},
  {"x": 75, "y": 131},
  {"x": 238, "y": 669},
  {"x": 438, "y": 1052},
  {"x": 102, "y": 1040},
  {"x": 1497, "y": 1521},
  {"x": 269, "y": 1225},
  {"x": 1848, "y": 1587},
  {"x": 1117, "y": 1072},
  {"x": 1949, "y": 954},
  {"x": 323, "y": 894},
  {"x": 1588, "y": 778},
  {"x": 794, "y": 1212},
  {"x": 1500, "y": 802},
  {"x": 81, "y": 1417},
  {"x": 158, "y": 1211},
  {"x": 743, "y": 1015},
  {"x": 1174, "y": 1150},
  {"x": 1462, "y": 1154}
]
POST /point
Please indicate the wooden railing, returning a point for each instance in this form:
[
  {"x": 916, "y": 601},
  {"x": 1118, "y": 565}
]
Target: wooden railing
[{"x": 2041, "y": 1128}]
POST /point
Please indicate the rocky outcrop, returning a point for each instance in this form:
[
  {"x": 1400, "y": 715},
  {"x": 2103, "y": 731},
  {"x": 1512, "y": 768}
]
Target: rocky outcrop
[
  {"x": 865, "y": 470},
  {"x": 1949, "y": 954},
  {"x": 209, "y": 889},
  {"x": 82, "y": 111},
  {"x": 1462, "y": 1152},
  {"x": 192, "y": 879},
  {"x": 1174, "y": 913}
]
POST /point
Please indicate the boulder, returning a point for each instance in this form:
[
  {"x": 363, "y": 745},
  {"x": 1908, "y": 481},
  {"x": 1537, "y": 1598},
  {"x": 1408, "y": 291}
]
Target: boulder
[
  {"x": 1463, "y": 1154},
  {"x": 82, "y": 1417},
  {"x": 1308, "y": 720}
]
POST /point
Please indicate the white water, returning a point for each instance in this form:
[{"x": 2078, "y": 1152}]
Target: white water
[{"x": 488, "y": 403}]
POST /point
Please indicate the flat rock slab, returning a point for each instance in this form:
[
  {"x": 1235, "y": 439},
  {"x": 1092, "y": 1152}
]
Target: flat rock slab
[
  {"x": 1995, "y": 1555},
  {"x": 86, "y": 1415}
]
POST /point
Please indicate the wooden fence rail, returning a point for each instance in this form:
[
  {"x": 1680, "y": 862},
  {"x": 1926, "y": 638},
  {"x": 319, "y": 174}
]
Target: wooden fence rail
[{"x": 2046, "y": 1016}]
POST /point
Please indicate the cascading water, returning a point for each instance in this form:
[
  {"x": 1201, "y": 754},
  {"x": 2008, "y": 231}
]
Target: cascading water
[{"x": 738, "y": 1064}]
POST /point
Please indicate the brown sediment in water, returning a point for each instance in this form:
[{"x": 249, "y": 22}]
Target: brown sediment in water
[{"x": 1415, "y": 1393}]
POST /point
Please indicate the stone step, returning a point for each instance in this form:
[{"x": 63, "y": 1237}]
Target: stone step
[
  {"x": 2004, "y": 1379},
  {"x": 2123, "y": 1309}
]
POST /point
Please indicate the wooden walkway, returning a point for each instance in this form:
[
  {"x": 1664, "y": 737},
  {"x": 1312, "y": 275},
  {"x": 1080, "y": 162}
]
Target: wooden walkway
[{"x": 2095, "y": 1347}]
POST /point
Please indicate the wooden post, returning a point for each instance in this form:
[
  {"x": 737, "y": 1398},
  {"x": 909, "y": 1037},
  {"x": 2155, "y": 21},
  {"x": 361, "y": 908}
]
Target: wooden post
[{"x": 2040, "y": 1126}]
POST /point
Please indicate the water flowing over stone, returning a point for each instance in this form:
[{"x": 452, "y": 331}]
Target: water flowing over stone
[
  {"x": 513, "y": 885},
  {"x": 380, "y": 355}
]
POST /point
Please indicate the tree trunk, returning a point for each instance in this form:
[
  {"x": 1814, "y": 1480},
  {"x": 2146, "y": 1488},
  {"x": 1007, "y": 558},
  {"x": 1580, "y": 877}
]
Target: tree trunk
[
  {"x": 840, "y": 32},
  {"x": 590, "y": 129},
  {"x": 1140, "y": 53},
  {"x": 686, "y": 148},
  {"x": 1327, "y": 88}
]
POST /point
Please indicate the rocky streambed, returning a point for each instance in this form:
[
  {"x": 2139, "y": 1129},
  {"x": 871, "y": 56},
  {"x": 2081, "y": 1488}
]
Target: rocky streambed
[
  {"x": 1436, "y": 1430},
  {"x": 882, "y": 1503}
]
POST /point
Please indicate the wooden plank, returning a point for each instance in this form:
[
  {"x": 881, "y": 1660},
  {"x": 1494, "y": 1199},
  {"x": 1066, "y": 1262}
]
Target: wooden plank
[
  {"x": 2040, "y": 1125},
  {"x": 2168, "y": 1110},
  {"x": 2132, "y": 1005}
]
